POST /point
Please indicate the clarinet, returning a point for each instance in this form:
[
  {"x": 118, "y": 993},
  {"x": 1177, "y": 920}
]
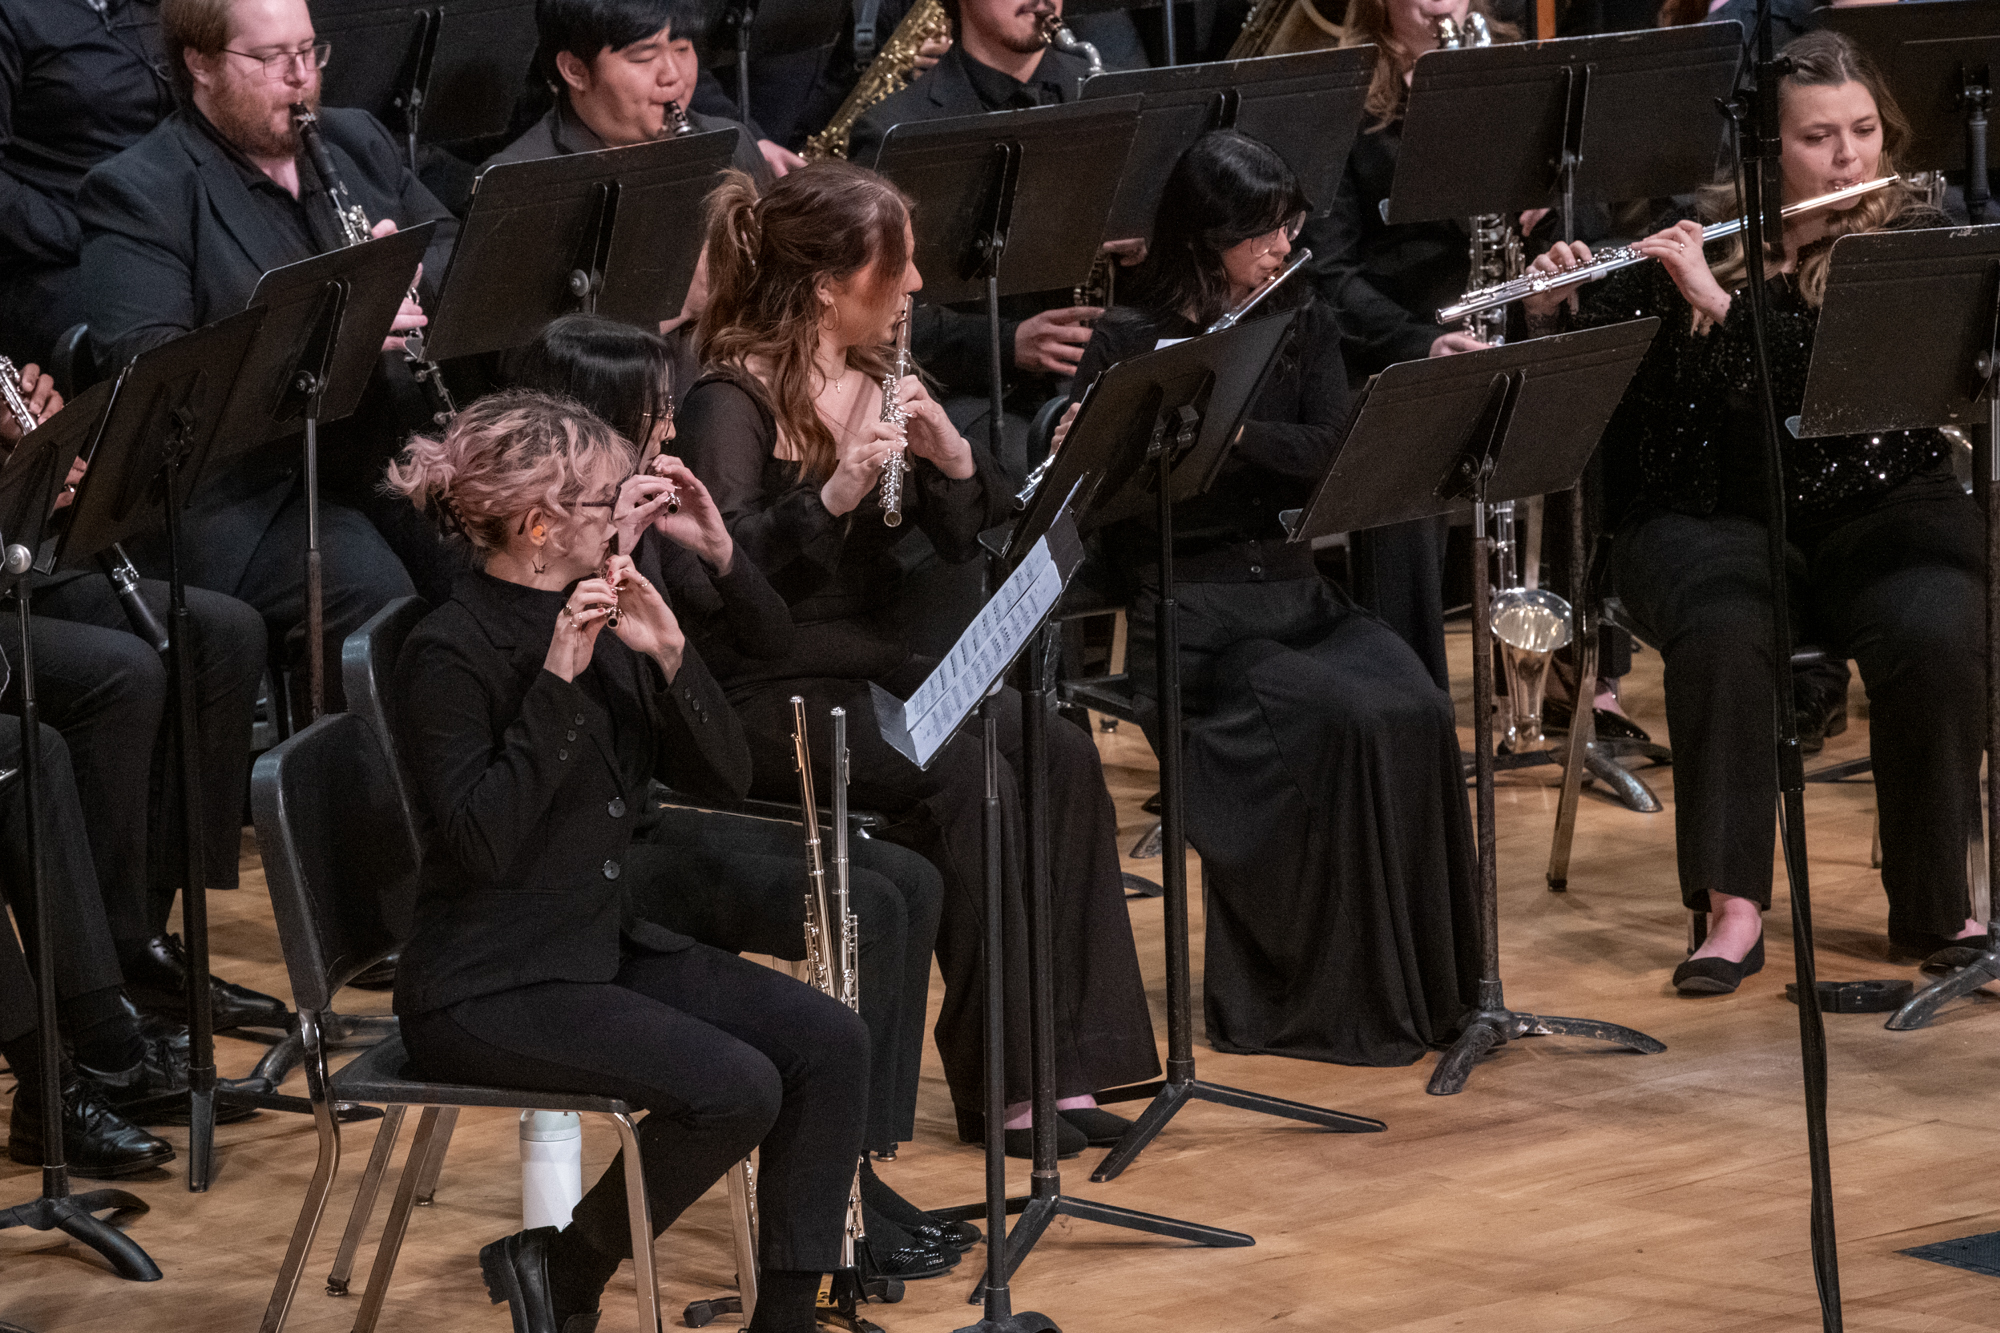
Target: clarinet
[
  {"x": 896, "y": 465},
  {"x": 833, "y": 965},
  {"x": 354, "y": 231},
  {"x": 117, "y": 566}
]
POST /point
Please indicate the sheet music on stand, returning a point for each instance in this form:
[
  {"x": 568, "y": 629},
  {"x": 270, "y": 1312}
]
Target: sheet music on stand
[{"x": 919, "y": 728}]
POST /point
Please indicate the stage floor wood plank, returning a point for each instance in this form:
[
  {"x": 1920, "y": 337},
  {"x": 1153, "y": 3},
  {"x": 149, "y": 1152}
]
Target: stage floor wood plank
[{"x": 1570, "y": 1187}]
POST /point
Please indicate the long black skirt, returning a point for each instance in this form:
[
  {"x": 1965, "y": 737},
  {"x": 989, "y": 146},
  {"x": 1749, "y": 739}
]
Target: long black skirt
[
  {"x": 1323, "y": 793},
  {"x": 1103, "y": 1029}
]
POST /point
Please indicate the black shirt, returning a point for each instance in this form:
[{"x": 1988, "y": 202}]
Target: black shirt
[
  {"x": 1231, "y": 533},
  {"x": 75, "y": 88},
  {"x": 1687, "y": 436},
  {"x": 1387, "y": 283},
  {"x": 1001, "y": 91}
]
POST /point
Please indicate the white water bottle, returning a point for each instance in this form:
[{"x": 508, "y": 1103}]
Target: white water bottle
[{"x": 551, "y": 1167}]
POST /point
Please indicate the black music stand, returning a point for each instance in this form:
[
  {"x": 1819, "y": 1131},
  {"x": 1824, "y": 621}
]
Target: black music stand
[
  {"x": 462, "y": 64},
  {"x": 1939, "y": 366},
  {"x": 326, "y": 318},
  {"x": 1010, "y": 201},
  {"x": 1152, "y": 432},
  {"x": 964, "y": 682},
  {"x": 1479, "y": 428},
  {"x": 1606, "y": 118},
  {"x": 1306, "y": 106},
  {"x": 33, "y": 475},
  {"x": 770, "y": 30},
  {"x": 165, "y": 430},
  {"x": 1939, "y": 60},
  {"x": 1618, "y": 116},
  {"x": 614, "y": 233}
]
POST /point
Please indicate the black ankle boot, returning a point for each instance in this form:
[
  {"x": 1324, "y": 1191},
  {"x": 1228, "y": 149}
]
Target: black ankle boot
[{"x": 97, "y": 1141}]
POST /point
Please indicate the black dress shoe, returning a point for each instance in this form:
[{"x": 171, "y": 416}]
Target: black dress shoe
[
  {"x": 154, "y": 1089},
  {"x": 156, "y": 979},
  {"x": 1718, "y": 976},
  {"x": 97, "y": 1141},
  {"x": 1099, "y": 1127},
  {"x": 517, "y": 1272},
  {"x": 897, "y": 1254}
]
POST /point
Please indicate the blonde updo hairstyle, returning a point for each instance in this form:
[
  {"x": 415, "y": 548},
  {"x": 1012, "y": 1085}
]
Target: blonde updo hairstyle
[
  {"x": 767, "y": 256},
  {"x": 504, "y": 455}
]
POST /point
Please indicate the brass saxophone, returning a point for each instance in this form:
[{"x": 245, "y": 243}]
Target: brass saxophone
[
  {"x": 1280, "y": 27},
  {"x": 354, "y": 231},
  {"x": 888, "y": 73},
  {"x": 833, "y": 935},
  {"x": 897, "y": 464},
  {"x": 117, "y": 566}
]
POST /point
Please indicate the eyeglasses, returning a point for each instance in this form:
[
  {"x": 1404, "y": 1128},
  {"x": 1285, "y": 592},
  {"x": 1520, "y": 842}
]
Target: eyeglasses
[
  {"x": 1293, "y": 225},
  {"x": 277, "y": 66},
  {"x": 666, "y": 412}
]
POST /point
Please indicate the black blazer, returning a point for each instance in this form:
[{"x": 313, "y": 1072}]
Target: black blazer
[
  {"x": 952, "y": 344},
  {"x": 173, "y": 240},
  {"x": 529, "y": 788}
]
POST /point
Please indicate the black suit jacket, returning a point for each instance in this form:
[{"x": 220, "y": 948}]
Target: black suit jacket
[
  {"x": 174, "y": 240},
  {"x": 952, "y": 344},
  {"x": 529, "y": 788}
]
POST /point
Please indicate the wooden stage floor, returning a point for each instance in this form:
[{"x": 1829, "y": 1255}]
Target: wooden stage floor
[{"x": 1569, "y": 1187}]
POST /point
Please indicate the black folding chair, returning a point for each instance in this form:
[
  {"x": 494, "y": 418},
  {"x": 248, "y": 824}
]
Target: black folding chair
[{"x": 334, "y": 847}]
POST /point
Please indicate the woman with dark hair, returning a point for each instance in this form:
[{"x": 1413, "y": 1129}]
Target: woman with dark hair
[
  {"x": 805, "y": 288},
  {"x": 1885, "y": 546},
  {"x": 1324, "y": 792},
  {"x": 738, "y": 883},
  {"x": 531, "y": 734}
]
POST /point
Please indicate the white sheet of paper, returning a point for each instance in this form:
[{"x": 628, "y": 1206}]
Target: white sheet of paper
[{"x": 982, "y": 652}]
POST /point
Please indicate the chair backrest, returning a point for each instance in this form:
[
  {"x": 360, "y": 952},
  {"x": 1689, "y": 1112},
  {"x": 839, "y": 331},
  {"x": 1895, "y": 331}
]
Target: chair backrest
[
  {"x": 334, "y": 853},
  {"x": 367, "y": 670}
]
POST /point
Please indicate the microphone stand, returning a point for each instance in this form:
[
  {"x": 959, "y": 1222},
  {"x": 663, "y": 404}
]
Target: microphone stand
[{"x": 1753, "y": 113}]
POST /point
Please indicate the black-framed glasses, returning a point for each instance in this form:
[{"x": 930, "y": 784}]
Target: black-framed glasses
[
  {"x": 277, "y": 65},
  {"x": 1290, "y": 230}
]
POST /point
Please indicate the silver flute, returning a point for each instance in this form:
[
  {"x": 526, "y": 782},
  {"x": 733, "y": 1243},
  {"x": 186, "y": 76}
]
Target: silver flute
[
  {"x": 897, "y": 464},
  {"x": 1534, "y": 282},
  {"x": 833, "y": 935},
  {"x": 1228, "y": 320},
  {"x": 117, "y": 566}
]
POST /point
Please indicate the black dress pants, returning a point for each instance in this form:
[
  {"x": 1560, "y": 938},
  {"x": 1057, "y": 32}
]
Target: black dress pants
[
  {"x": 85, "y": 961},
  {"x": 105, "y": 689},
  {"x": 1103, "y": 1028},
  {"x": 724, "y": 1054},
  {"x": 1899, "y": 588},
  {"x": 740, "y": 884}
]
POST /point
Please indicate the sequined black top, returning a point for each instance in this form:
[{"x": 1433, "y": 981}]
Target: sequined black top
[{"x": 1686, "y": 437}]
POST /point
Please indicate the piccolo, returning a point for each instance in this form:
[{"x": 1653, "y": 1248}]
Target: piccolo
[{"x": 1535, "y": 283}]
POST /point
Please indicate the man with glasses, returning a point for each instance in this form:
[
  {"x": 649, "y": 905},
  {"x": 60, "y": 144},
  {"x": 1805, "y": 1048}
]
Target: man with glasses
[{"x": 178, "y": 229}]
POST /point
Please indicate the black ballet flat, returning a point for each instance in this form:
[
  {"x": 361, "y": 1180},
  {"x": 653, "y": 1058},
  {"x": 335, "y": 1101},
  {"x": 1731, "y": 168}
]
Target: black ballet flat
[
  {"x": 1718, "y": 976},
  {"x": 1100, "y": 1128},
  {"x": 1942, "y": 953},
  {"x": 517, "y": 1272},
  {"x": 1070, "y": 1141}
]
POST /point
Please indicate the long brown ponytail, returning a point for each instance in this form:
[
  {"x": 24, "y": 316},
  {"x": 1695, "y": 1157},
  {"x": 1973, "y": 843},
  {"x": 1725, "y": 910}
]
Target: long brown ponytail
[{"x": 766, "y": 260}]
